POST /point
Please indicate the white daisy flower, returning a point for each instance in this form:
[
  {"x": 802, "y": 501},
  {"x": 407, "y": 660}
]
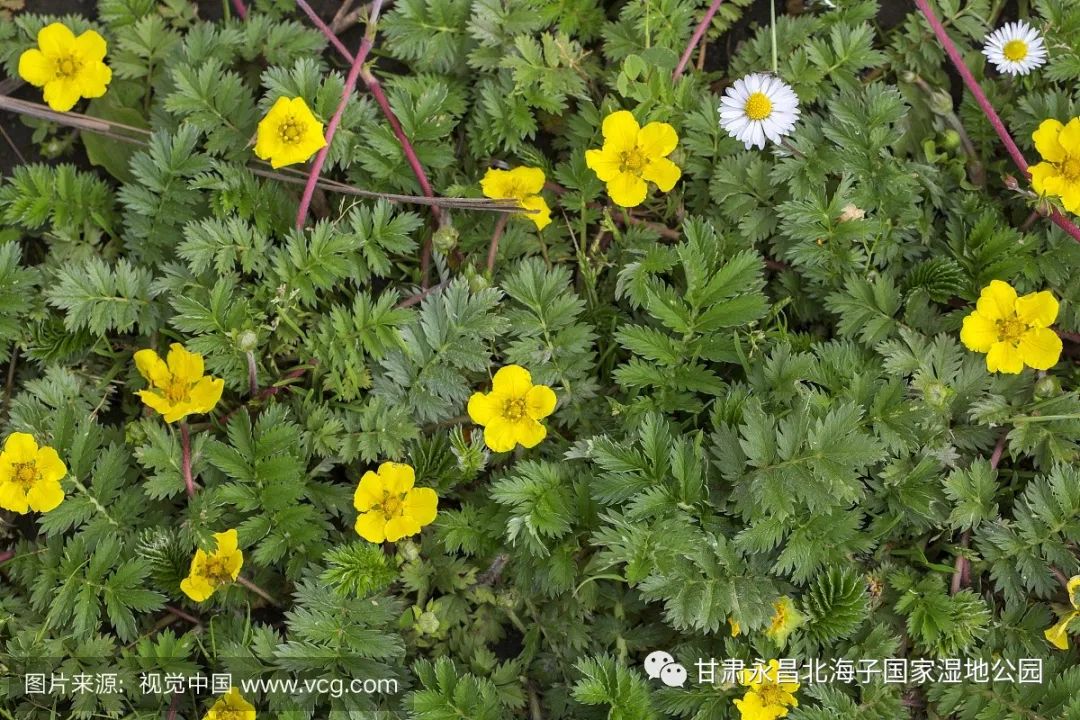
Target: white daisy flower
[
  {"x": 759, "y": 106},
  {"x": 1017, "y": 48}
]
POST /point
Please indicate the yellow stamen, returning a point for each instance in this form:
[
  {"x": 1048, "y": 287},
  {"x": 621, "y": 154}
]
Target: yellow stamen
[
  {"x": 291, "y": 131},
  {"x": 67, "y": 66},
  {"x": 1015, "y": 50},
  {"x": 632, "y": 161},
  {"x": 26, "y": 474},
  {"x": 392, "y": 505},
  {"x": 771, "y": 693},
  {"x": 514, "y": 408},
  {"x": 758, "y": 106},
  {"x": 1010, "y": 330},
  {"x": 215, "y": 571},
  {"x": 1070, "y": 168}
]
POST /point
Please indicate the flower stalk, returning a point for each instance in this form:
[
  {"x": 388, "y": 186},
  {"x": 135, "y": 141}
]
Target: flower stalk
[
  {"x": 185, "y": 462},
  {"x": 984, "y": 104},
  {"x": 695, "y": 39},
  {"x": 257, "y": 590}
]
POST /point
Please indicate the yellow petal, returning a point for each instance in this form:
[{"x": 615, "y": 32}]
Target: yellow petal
[
  {"x": 369, "y": 492},
  {"x": 540, "y": 402},
  {"x": 184, "y": 365},
  {"x": 56, "y": 39},
  {"x": 400, "y": 527},
  {"x": 529, "y": 180},
  {"x": 997, "y": 301},
  {"x": 13, "y": 498},
  {"x": 542, "y": 215},
  {"x": 226, "y": 542},
  {"x": 61, "y": 95},
  {"x": 35, "y": 68},
  {"x": 1058, "y": 635},
  {"x": 45, "y": 495},
  {"x": 398, "y": 478},
  {"x": 233, "y": 563},
  {"x": 621, "y": 127},
  {"x": 152, "y": 367},
  {"x": 1070, "y": 197},
  {"x": 158, "y": 403},
  {"x": 371, "y": 526},
  {"x": 1046, "y": 179},
  {"x": 606, "y": 164},
  {"x": 91, "y": 47},
  {"x": 663, "y": 172},
  {"x": 511, "y": 381},
  {"x": 978, "y": 332},
  {"x": 529, "y": 432},
  {"x": 496, "y": 184},
  {"x": 235, "y": 701},
  {"x": 1004, "y": 358},
  {"x": 1070, "y": 138},
  {"x": 196, "y": 588},
  {"x": 657, "y": 140},
  {"x": 499, "y": 435},
  {"x": 422, "y": 505},
  {"x": 93, "y": 80},
  {"x": 483, "y": 407},
  {"x": 1040, "y": 348},
  {"x": 1039, "y": 309},
  {"x": 1046, "y": 141},
  {"x": 1073, "y": 588},
  {"x": 49, "y": 464},
  {"x": 627, "y": 190},
  {"x": 20, "y": 447},
  {"x": 206, "y": 394}
]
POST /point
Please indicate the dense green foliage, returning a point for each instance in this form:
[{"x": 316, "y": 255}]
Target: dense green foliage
[{"x": 761, "y": 386}]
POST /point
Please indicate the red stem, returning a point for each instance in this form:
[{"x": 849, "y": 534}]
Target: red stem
[
  {"x": 240, "y": 8},
  {"x": 699, "y": 32},
  {"x": 493, "y": 249},
  {"x": 375, "y": 88},
  {"x": 331, "y": 129},
  {"x": 961, "y": 567},
  {"x": 6, "y": 555},
  {"x": 185, "y": 449},
  {"x": 984, "y": 104}
]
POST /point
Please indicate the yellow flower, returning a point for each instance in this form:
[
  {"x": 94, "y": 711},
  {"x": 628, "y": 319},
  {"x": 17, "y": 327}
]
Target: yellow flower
[
  {"x": 1058, "y": 635},
  {"x": 390, "y": 507},
  {"x": 68, "y": 67},
  {"x": 289, "y": 133},
  {"x": 179, "y": 388},
  {"x": 1013, "y": 331},
  {"x": 736, "y": 629},
  {"x": 522, "y": 184},
  {"x": 231, "y": 706},
  {"x": 633, "y": 156},
  {"x": 510, "y": 414},
  {"x": 1059, "y": 173},
  {"x": 210, "y": 571},
  {"x": 784, "y": 620},
  {"x": 767, "y": 698},
  {"x": 29, "y": 475}
]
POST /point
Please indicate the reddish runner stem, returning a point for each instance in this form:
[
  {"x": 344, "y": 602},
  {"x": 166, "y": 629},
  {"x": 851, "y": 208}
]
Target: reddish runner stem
[
  {"x": 961, "y": 567},
  {"x": 240, "y": 8},
  {"x": 257, "y": 590},
  {"x": 331, "y": 129},
  {"x": 185, "y": 450},
  {"x": 493, "y": 250},
  {"x": 699, "y": 32},
  {"x": 6, "y": 555},
  {"x": 984, "y": 104}
]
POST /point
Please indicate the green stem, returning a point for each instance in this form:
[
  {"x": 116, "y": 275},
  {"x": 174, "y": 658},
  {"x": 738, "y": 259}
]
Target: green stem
[{"x": 1043, "y": 418}]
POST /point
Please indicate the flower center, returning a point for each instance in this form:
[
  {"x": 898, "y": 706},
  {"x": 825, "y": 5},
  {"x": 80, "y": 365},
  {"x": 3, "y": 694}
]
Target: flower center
[
  {"x": 514, "y": 408},
  {"x": 1010, "y": 330},
  {"x": 392, "y": 505},
  {"x": 176, "y": 391},
  {"x": 1015, "y": 50},
  {"x": 1070, "y": 168},
  {"x": 26, "y": 474},
  {"x": 758, "y": 106},
  {"x": 771, "y": 693},
  {"x": 779, "y": 618},
  {"x": 230, "y": 714},
  {"x": 291, "y": 131},
  {"x": 630, "y": 161},
  {"x": 215, "y": 571},
  {"x": 67, "y": 66}
]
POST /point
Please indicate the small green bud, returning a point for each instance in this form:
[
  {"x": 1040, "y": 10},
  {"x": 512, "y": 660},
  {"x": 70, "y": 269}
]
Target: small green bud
[
  {"x": 445, "y": 239},
  {"x": 950, "y": 139},
  {"x": 941, "y": 102},
  {"x": 409, "y": 550},
  {"x": 248, "y": 341},
  {"x": 1047, "y": 386},
  {"x": 427, "y": 623}
]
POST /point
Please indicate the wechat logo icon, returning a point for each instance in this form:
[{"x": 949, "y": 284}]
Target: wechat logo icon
[{"x": 661, "y": 664}]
